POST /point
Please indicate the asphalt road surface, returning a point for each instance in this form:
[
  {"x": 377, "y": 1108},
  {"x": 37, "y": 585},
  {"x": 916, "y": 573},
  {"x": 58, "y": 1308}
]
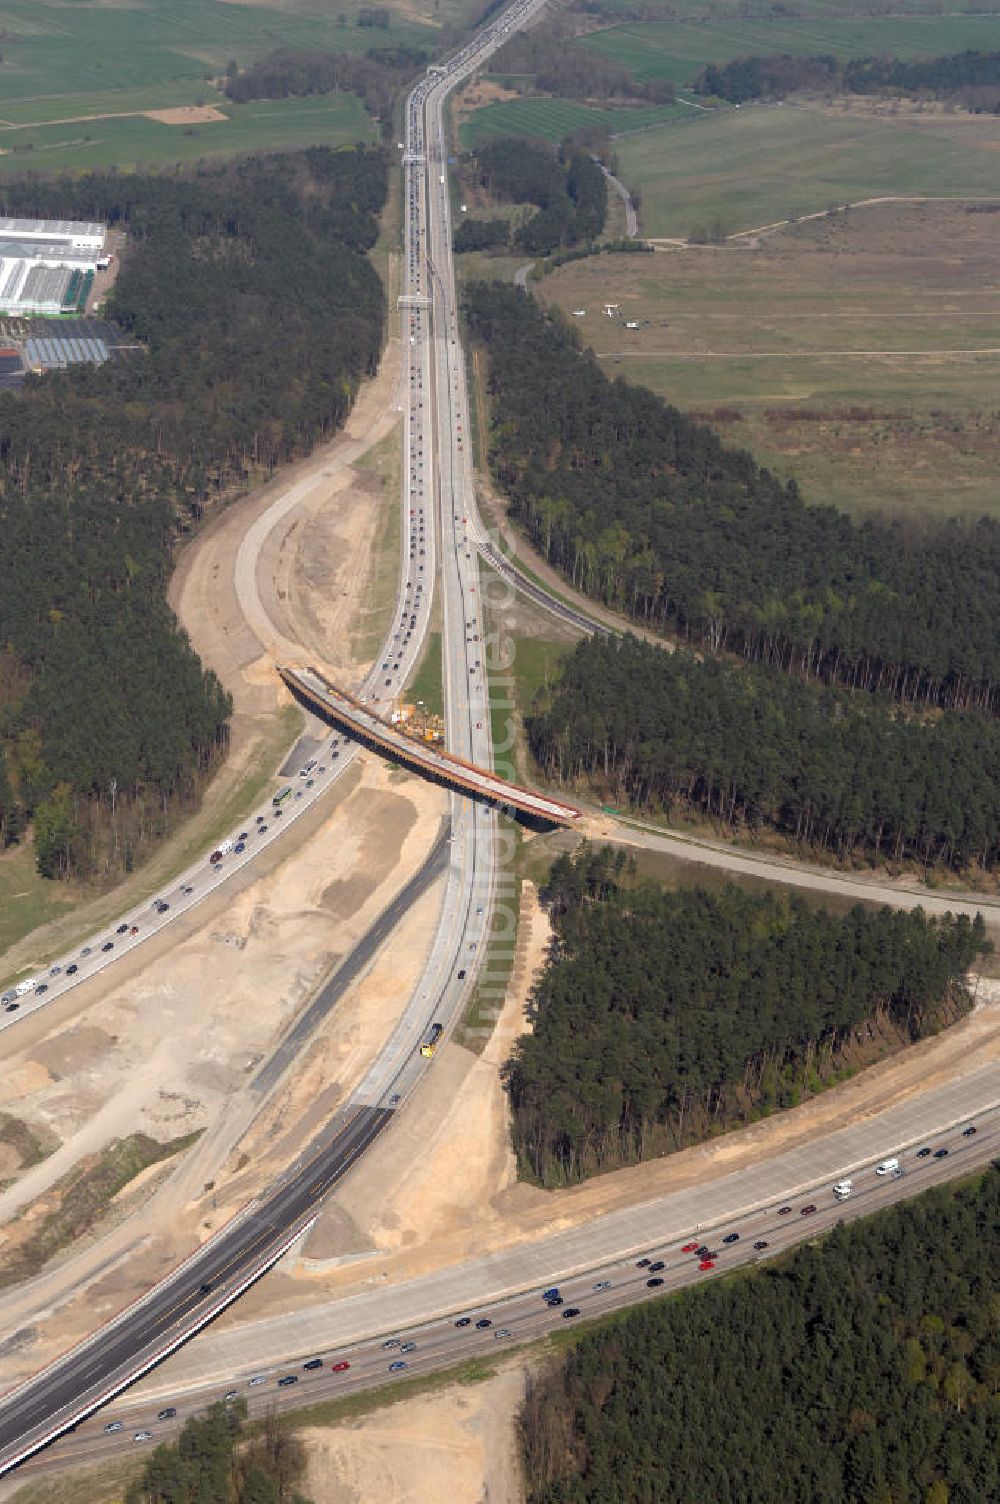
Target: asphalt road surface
[
  {"x": 510, "y": 1318},
  {"x": 223, "y": 1268}
]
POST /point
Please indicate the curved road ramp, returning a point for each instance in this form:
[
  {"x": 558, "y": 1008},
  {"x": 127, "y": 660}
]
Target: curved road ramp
[{"x": 352, "y": 716}]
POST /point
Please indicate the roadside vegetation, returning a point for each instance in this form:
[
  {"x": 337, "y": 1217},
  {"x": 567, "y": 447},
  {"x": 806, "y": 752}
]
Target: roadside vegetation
[
  {"x": 110, "y": 727},
  {"x": 863, "y": 1366},
  {"x": 220, "y": 1459},
  {"x": 566, "y": 187},
  {"x": 650, "y": 513},
  {"x": 74, "y": 1204},
  {"x": 754, "y": 750},
  {"x": 663, "y": 1017}
]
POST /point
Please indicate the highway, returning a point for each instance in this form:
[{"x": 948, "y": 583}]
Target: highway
[
  {"x": 593, "y": 1277},
  {"x": 441, "y": 535},
  {"x": 443, "y": 767},
  {"x": 438, "y": 499}
]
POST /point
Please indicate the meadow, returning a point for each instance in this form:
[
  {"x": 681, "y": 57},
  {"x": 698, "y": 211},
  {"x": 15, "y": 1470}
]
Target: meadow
[
  {"x": 131, "y": 142},
  {"x": 859, "y": 353},
  {"x": 678, "y": 50},
  {"x": 63, "y": 67},
  {"x": 551, "y": 119},
  {"x": 740, "y": 169}
]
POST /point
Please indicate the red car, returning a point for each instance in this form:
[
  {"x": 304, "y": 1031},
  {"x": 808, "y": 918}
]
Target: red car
[
  {"x": 707, "y": 1264},
  {"x": 807, "y": 1211},
  {"x": 340, "y": 1367},
  {"x": 690, "y": 1248}
]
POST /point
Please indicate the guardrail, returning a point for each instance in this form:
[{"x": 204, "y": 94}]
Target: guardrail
[{"x": 434, "y": 763}]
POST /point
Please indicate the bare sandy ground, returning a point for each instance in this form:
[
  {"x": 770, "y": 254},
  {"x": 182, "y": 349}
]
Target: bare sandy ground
[
  {"x": 186, "y": 114},
  {"x": 461, "y": 1197},
  {"x": 457, "y": 1445},
  {"x": 172, "y": 1049}
]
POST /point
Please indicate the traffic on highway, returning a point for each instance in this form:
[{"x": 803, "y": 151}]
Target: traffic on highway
[
  {"x": 441, "y": 536},
  {"x": 217, "y": 1273},
  {"x": 680, "y": 1259}
]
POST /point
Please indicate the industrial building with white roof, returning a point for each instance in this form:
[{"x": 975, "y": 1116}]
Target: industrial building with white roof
[{"x": 47, "y": 266}]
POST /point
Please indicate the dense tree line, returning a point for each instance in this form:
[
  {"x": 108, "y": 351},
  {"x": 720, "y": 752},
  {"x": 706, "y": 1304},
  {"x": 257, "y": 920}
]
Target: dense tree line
[
  {"x": 377, "y": 77},
  {"x": 482, "y": 235},
  {"x": 216, "y": 1461},
  {"x": 567, "y": 186},
  {"x": 751, "y": 747},
  {"x": 662, "y": 1017},
  {"x": 652, "y": 514},
  {"x": 865, "y": 1367},
  {"x": 260, "y": 314},
  {"x": 544, "y": 60},
  {"x": 776, "y": 76}
]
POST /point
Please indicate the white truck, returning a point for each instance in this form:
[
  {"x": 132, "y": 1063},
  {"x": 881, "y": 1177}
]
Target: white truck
[
  {"x": 844, "y": 1190},
  {"x": 27, "y": 986}
]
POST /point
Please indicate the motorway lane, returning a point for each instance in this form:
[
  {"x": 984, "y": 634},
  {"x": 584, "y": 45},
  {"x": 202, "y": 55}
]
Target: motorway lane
[
  {"x": 440, "y": 1343},
  {"x": 221, "y": 1269}
]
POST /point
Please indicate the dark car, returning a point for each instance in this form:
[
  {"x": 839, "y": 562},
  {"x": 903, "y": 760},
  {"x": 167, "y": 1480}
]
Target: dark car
[
  {"x": 72, "y": 969},
  {"x": 655, "y": 1282},
  {"x": 655, "y": 1268},
  {"x": 550, "y": 1293},
  {"x": 42, "y": 987},
  {"x": 643, "y": 1263},
  {"x": 161, "y": 907},
  {"x": 397, "y": 1367},
  {"x": 703, "y": 1251},
  {"x": 122, "y": 929},
  {"x": 554, "y": 1300},
  {"x": 464, "y": 1321},
  {"x": 731, "y": 1237},
  {"x": 571, "y": 1311},
  {"x": 783, "y": 1211},
  {"x": 940, "y": 1153},
  {"x": 483, "y": 1323},
  {"x": 167, "y": 1414},
  {"x": 108, "y": 945},
  {"x": 760, "y": 1244},
  {"x": 924, "y": 1153},
  {"x": 312, "y": 1364},
  {"x": 461, "y": 978},
  {"x": 288, "y": 1380},
  {"x": 205, "y": 1289},
  {"x": 807, "y": 1211},
  {"x": 970, "y": 1132}
]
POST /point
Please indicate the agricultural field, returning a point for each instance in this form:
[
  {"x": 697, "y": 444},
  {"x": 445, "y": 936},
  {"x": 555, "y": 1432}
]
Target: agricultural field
[
  {"x": 551, "y": 119},
  {"x": 678, "y": 50},
  {"x": 859, "y": 353},
  {"x": 80, "y": 65},
  {"x": 741, "y": 169},
  {"x": 222, "y": 129}
]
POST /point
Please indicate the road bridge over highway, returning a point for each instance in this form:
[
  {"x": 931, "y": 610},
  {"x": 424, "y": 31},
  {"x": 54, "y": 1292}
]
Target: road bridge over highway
[{"x": 432, "y": 762}]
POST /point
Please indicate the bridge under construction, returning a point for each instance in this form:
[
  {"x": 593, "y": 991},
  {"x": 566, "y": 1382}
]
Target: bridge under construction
[{"x": 431, "y": 762}]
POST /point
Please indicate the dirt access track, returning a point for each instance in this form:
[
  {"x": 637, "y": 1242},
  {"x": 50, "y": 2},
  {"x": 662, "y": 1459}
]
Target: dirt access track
[{"x": 168, "y": 1042}]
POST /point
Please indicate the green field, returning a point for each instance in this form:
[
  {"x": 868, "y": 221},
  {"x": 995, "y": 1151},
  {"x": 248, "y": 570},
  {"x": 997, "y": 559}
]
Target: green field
[
  {"x": 552, "y": 119},
  {"x": 51, "y": 48},
  {"x": 751, "y": 167},
  {"x": 65, "y": 65},
  {"x": 133, "y": 142},
  {"x": 678, "y": 50},
  {"x": 859, "y": 353}
]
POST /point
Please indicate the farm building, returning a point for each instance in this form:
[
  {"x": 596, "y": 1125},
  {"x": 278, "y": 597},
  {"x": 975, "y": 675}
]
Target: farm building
[{"x": 47, "y": 266}]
